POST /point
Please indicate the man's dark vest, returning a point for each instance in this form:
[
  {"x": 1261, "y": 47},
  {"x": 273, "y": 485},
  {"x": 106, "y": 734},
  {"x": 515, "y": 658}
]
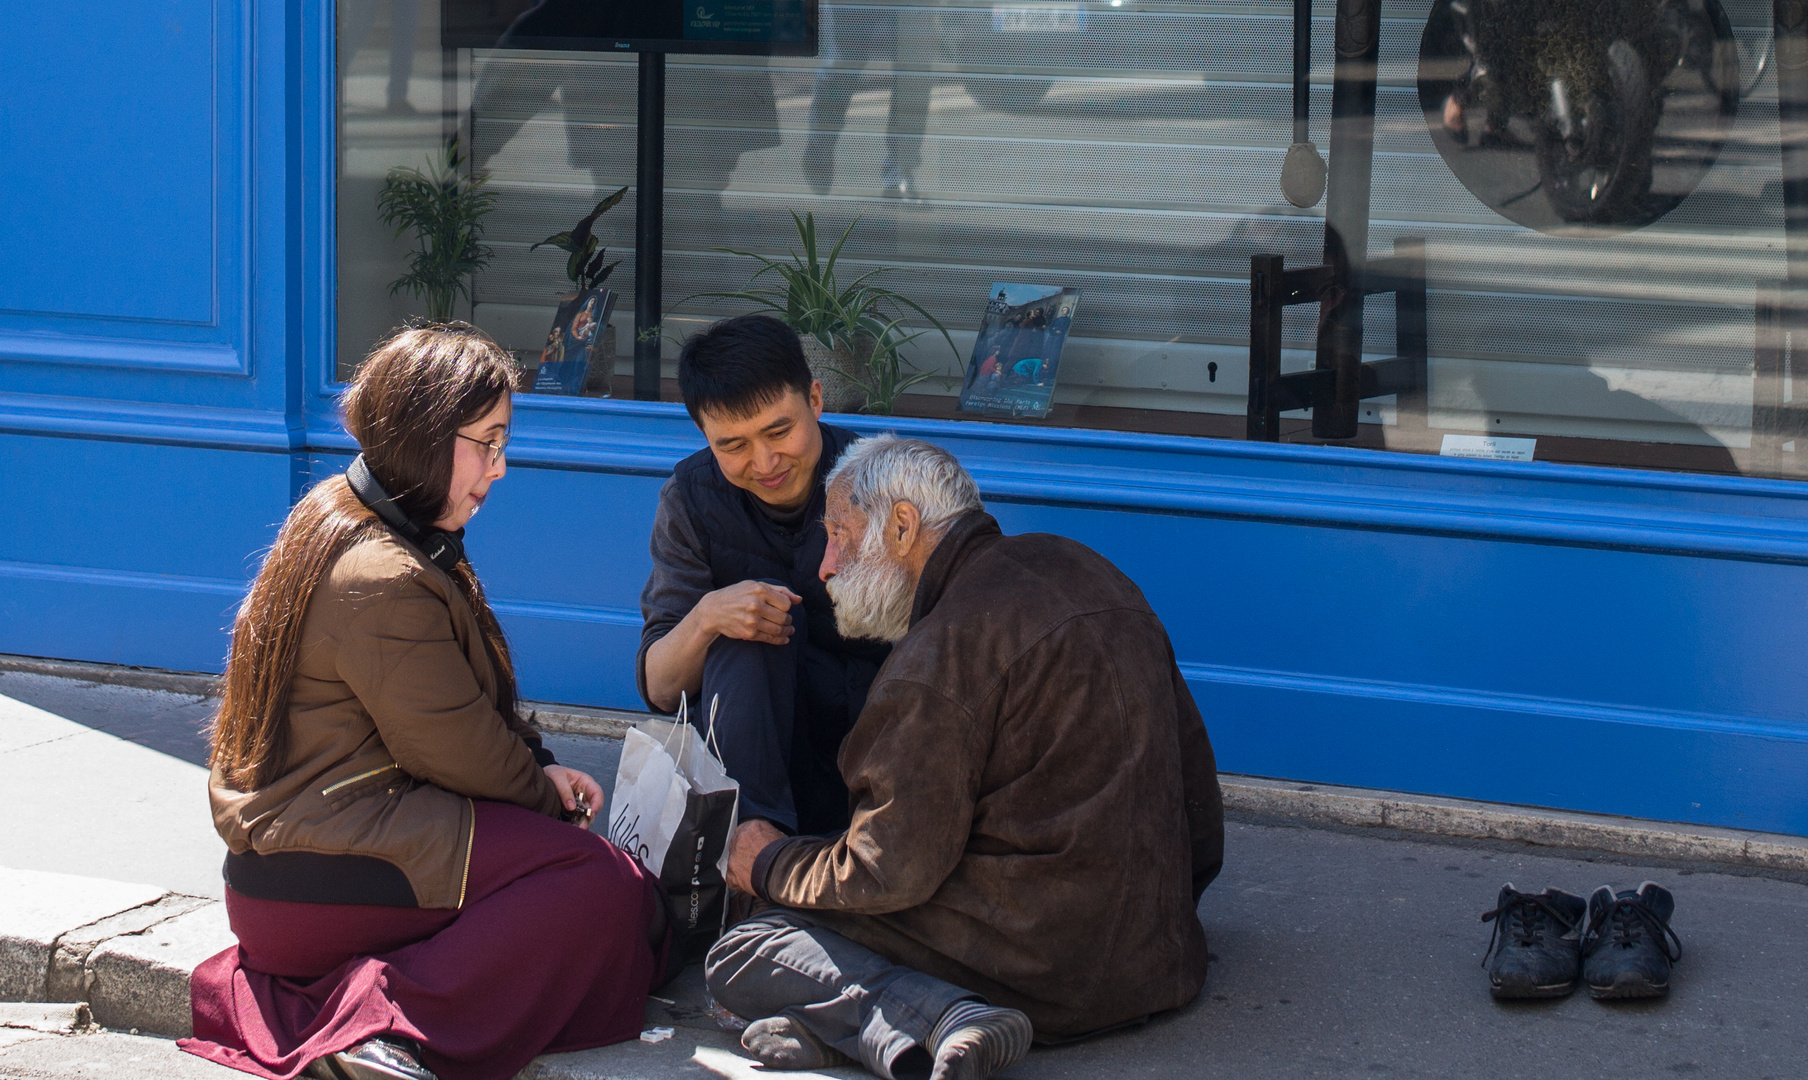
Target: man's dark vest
[{"x": 742, "y": 544}]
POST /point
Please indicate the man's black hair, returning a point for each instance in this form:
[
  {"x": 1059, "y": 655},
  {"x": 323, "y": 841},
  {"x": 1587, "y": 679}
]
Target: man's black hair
[{"x": 740, "y": 365}]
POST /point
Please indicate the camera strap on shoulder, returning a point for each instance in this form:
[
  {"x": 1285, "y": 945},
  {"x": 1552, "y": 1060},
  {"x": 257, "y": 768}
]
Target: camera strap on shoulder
[{"x": 444, "y": 549}]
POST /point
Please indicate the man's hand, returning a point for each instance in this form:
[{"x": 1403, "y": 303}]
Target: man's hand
[
  {"x": 751, "y": 838},
  {"x": 571, "y": 784},
  {"x": 750, "y": 611}
]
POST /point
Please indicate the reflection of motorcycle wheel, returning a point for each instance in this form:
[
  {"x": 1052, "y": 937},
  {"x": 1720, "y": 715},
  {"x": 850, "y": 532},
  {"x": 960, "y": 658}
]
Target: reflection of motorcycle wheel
[
  {"x": 1007, "y": 94},
  {"x": 1600, "y": 172}
]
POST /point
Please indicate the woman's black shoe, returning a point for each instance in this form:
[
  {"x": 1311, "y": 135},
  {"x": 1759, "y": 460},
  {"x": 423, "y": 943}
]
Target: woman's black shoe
[
  {"x": 381, "y": 1058},
  {"x": 1536, "y": 944},
  {"x": 1628, "y": 944}
]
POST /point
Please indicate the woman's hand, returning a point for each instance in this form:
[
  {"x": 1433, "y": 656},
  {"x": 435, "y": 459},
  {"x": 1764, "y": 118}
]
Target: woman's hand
[{"x": 572, "y": 784}]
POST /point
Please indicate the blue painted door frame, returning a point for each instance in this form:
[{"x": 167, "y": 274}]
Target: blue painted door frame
[{"x": 1596, "y": 639}]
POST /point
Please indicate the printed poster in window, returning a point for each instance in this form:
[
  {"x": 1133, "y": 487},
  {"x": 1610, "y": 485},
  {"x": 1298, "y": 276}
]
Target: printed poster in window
[
  {"x": 1018, "y": 352},
  {"x": 575, "y": 340}
]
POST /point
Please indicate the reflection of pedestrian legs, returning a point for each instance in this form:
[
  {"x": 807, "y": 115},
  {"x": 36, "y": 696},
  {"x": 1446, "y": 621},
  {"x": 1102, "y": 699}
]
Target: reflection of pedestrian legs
[
  {"x": 779, "y": 963},
  {"x": 828, "y": 112},
  {"x": 836, "y": 80},
  {"x": 360, "y": 18},
  {"x": 904, "y": 127},
  {"x": 402, "y": 20}
]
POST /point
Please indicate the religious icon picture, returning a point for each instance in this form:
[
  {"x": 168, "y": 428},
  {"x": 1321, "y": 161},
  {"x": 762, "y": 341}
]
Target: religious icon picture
[{"x": 574, "y": 342}]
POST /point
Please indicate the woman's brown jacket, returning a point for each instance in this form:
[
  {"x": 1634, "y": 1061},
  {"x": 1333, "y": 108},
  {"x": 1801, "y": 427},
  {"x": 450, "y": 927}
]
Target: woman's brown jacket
[{"x": 393, "y": 729}]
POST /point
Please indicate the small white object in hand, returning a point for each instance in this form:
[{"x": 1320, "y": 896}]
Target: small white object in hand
[{"x": 657, "y": 1035}]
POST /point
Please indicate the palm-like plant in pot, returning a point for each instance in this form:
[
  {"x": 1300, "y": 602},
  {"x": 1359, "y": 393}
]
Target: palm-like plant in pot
[
  {"x": 853, "y": 334},
  {"x": 445, "y": 208}
]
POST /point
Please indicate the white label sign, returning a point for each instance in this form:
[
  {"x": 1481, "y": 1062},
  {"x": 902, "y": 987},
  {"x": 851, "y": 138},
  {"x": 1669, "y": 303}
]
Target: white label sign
[
  {"x": 1055, "y": 18},
  {"x": 1487, "y": 447}
]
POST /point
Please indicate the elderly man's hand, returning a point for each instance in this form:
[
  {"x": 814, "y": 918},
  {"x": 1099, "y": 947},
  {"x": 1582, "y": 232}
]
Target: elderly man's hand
[{"x": 751, "y": 838}]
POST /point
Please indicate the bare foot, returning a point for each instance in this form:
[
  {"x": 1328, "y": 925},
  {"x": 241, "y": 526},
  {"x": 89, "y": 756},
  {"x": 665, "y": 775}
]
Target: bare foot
[{"x": 780, "y": 1042}]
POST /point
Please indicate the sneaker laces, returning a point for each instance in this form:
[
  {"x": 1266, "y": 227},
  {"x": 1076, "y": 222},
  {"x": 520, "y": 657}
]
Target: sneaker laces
[
  {"x": 1526, "y": 917},
  {"x": 1628, "y": 918}
]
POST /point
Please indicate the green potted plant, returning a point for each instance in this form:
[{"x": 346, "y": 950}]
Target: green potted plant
[
  {"x": 853, "y": 334},
  {"x": 580, "y": 350},
  {"x": 584, "y": 266},
  {"x": 445, "y": 208}
]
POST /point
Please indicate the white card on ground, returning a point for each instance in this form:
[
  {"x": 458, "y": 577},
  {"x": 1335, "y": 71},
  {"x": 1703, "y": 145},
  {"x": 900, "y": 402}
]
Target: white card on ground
[{"x": 1487, "y": 447}]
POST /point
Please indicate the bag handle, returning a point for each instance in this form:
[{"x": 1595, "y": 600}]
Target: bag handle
[
  {"x": 709, "y": 740},
  {"x": 680, "y": 722}
]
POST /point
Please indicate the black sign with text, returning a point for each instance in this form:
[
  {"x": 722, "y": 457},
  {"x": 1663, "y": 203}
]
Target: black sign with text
[{"x": 748, "y": 27}]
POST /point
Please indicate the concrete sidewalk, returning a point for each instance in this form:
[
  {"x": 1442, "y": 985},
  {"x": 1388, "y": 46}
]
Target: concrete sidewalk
[
  {"x": 108, "y": 781},
  {"x": 1339, "y": 951}
]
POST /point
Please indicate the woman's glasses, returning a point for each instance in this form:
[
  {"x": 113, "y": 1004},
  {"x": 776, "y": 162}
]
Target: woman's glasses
[{"x": 496, "y": 448}]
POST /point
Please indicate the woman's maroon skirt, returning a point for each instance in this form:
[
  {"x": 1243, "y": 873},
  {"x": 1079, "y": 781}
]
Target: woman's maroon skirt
[{"x": 549, "y": 953}]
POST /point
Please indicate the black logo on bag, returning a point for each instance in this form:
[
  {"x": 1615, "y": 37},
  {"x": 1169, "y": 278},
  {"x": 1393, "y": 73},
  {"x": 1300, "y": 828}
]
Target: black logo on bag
[
  {"x": 625, "y": 834},
  {"x": 696, "y": 883}
]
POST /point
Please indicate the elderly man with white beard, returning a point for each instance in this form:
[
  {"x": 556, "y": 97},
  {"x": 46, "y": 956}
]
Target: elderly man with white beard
[{"x": 1035, "y": 805}]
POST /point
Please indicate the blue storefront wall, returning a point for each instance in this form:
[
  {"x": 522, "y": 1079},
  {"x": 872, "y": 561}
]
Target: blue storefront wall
[
  {"x": 1606, "y": 640},
  {"x": 159, "y": 286}
]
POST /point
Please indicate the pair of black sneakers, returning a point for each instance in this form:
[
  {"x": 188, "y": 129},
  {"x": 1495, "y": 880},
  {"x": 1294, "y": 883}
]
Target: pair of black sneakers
[{"x": 1620, "y": 943}]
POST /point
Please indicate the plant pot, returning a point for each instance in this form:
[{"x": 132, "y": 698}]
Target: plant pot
[
  {"x": 602, "y": 365},
  {"x": 527, "y": 365},
  {"x": 838, "y": 393}
]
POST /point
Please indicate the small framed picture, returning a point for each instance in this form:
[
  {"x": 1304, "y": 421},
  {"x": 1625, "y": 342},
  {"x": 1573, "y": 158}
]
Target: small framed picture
[
  {"x": 1018, "y": 351},
  {"x": 574, "y": 341}
]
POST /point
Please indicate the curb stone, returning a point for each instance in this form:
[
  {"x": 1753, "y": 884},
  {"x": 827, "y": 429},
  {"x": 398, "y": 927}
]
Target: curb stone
[
  {"x": 579, "y": 720},
  {"x": 141, "y": 980},
  {"x": 71, "y": 978},
  {"x": 124, "y": 949},
  {"x": 37, "y": 909},
  {"x": 196, "y": 684},
  {"x": 1634, "y": 837}
]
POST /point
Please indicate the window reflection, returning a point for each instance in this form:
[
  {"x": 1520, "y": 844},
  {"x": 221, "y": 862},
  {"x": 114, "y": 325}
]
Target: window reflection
[
  {"x": 1598, "y": 226},
  {"x": 1563, "y": 115}
]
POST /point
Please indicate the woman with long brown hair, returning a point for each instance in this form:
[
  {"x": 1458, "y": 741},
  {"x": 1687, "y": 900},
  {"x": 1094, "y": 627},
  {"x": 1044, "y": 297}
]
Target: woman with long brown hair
[{"x": 407, "y": 901}]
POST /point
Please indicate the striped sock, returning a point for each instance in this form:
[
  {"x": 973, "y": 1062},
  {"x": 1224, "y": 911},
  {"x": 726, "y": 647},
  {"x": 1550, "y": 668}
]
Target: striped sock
[{"x": 973, "y": 1041}]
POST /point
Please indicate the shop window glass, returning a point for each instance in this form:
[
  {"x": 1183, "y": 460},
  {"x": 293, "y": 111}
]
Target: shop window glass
[{"x": 1133, "y": 150}]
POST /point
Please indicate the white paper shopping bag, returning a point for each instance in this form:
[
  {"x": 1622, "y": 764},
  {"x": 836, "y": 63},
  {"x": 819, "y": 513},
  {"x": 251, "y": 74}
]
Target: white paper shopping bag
[
  {"x": 649, "y": 800},
  {"x": 675, "y": 808}
]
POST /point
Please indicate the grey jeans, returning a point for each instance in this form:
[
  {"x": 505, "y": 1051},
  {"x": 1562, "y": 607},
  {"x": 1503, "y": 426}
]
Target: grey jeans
[{"x": 872, "y": 1010}]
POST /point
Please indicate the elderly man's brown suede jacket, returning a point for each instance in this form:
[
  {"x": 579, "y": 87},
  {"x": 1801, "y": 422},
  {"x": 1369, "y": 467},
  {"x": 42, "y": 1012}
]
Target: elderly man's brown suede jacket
[
  {"x": 393, "y": 729},
  {"x": 1035, "y": 802}
]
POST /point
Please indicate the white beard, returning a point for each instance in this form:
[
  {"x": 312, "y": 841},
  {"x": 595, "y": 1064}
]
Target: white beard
[{"x": 873, "y": 593}]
